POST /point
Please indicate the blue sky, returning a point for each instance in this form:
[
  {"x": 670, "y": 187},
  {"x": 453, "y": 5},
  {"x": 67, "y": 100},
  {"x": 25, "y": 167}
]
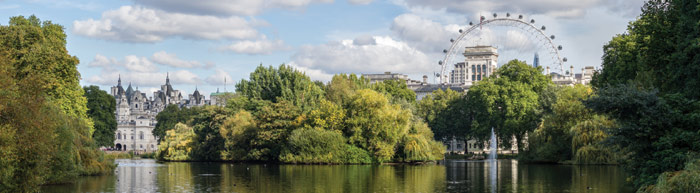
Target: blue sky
[{"x": 201, "y": 43}]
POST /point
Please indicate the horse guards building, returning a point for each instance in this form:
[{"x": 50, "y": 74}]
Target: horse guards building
[
  {"x": 479, "y": 63},
  {"x": 136, "y": 113}
]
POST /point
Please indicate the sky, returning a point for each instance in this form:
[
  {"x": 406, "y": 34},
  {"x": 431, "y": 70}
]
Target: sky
[{"x": 212, "y": 44}]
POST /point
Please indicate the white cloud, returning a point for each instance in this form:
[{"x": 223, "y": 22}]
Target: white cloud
[
  {"x": 424, "y": 34},
  {"x": 360, "y": 2},
  {"x": 220, "y": 77},
  {"x": 554, "y": 8},
  {"x": 171, "y": 60},
  {"x": 102, "y": 61},
  {"x": 346, "y": 56},
  {"x": 257, "y": 47},
  {"x": 184, "y": 77},
  {"x": 227, "y": 7},
  {"x": 138, "y": 64},
  {"x": 139, "y": 24}
]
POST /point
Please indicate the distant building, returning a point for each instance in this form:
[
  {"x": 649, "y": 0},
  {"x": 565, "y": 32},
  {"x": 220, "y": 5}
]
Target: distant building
[
  {"x": 136, "y": 114},
  {"x": 536, "y": 61},
  {"x": 219, "y": 98},
  {"x": 374, "y": 78},
  {"x": 480, "y": 61}
]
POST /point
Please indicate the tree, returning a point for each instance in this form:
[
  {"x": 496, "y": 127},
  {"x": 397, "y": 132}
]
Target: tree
[
  {"x": 509, "y": 101},
  {"x": 178, "y": 144},
  {"x": 376, "y": 125},
  {"x": 649, "y": 86},
  {"x": 45, "y": 134},
  {"x": 658, "y": 132},
  {"x": 551, "y": 141},
  {"x": 170, "y": 116},
  {"x": 397, "y": 89},
  {"x": 283, "y": 83},
  {"x": 343, "y": 86},
  {"x": 446, "y": 113},
  {"x": 101, "y": 107}
]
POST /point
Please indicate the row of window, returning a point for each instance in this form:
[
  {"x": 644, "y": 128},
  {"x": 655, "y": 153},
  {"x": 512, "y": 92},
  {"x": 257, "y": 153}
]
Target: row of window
[{"x": 119, "y": 135}]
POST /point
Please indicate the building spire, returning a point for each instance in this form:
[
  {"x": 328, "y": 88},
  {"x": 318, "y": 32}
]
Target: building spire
[
  {"x": 167, "y": 78},
  {"x": 119, "y": 82}
]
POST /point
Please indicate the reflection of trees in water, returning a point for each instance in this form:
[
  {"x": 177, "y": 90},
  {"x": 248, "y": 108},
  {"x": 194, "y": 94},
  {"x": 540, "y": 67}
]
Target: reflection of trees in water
[{"x": 451, "y": 177}]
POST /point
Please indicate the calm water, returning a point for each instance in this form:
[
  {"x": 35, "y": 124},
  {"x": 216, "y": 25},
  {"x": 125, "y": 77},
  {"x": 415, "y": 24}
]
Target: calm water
[{"x": 453, "y": 176}]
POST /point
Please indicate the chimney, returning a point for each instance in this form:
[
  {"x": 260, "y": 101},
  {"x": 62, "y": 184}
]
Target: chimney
[
  {"x": 547, "y": 70},
  {"x": 425, "y": 78}
]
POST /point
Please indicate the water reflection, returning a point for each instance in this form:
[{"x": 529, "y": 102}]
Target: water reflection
[{"x": 452, "y": 176}]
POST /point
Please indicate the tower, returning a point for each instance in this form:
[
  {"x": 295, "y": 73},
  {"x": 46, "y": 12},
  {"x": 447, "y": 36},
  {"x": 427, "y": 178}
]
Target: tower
[{"x": 536, "y": 62}]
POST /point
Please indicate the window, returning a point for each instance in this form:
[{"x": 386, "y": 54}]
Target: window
[
  {"x": 473, "y": 77},
  {"x": 119, "y": 136},
  {"x": 478, "y": 77},
  {"x": 152, "y": 146},
  {"x": 141, "y": 146},
  {"x": 137, "y": 106},
  {"x": 141, "y": 135},
  {"x": 132, "y": 137}
]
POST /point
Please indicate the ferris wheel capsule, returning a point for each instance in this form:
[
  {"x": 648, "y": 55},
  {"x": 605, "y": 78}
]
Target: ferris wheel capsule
[
  {"x": 559, "y": 47},
  {"x": 483, "y": 18},
  {"x": 551, "y": 37},
  {"x": 440, "y": 62},
  {"x": 452, "y": 40},
  {"x": 470, "y": 23},
  {"x": 445, "y": 50},
  {"x": 437, "y": 74},
  {"x": 495, "y": 15},
  {"x": 544, "y": 28},
  {"x": 520, "y": 16},
  {"x": 564, "y": 59},
  {"x": 507, "y": 14},
  {"x": 532, "y": 21},
  {"x": 460, "y": 31}
]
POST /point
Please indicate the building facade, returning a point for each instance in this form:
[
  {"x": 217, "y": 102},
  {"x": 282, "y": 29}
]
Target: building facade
[
  {"x": 136, "y": 114},
  {"x": 479, "y": 62}
]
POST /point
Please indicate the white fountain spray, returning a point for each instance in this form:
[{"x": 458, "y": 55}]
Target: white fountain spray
[
  {"x": 493, "y": 147},
  {"x": 493, "y": 163}
]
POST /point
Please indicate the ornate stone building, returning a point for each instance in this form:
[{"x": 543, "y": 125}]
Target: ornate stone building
[{"x": 136, "y": 114}]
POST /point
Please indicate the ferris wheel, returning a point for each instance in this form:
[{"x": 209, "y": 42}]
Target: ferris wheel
[{"x": 514, "y": 38}]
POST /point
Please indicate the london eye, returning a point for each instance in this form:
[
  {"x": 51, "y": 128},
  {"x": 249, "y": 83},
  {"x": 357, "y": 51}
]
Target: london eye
[{"x": 515, "y": 37}]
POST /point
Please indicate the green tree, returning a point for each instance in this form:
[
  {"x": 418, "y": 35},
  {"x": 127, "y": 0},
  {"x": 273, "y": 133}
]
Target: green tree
[
  {"x": 343, "y": 86},
  {"x": 101, "y": 107},
  {"x": 396, "y": 89},
  {"x": 238, "y": 131},
  {"x": 170, "y": 116},
  {"x": 551, "y": 141},
  {"x": 283, "y": 83},
  {"x": 446, "y": 113},
  {"x": 206, "y": 125},
  {"x": 178, "y": 144},
  {"x": 376, "y": 125},
  {"x": 46, "y": 135},
  {"x": 658, "y": 132},
  {"x": 509, "y": 101},
  {"x": 649, "y": 85}
]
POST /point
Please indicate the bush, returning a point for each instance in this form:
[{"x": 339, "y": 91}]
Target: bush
[
  {"x": 685, "y": 181},
  {"x": 308, "y": 145}
]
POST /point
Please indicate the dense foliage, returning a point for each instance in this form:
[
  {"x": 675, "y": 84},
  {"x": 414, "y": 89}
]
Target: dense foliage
[
  {"x": 101, "y": 107},
  {"x": 510, "y": 102},
  {"x": 45, "y": 131},
  {"x": 169, "y": 117},
  {"x": 446, "y": 113},
  {"x": 649, "y": 86},
  {"x": 279, "y": 115}
]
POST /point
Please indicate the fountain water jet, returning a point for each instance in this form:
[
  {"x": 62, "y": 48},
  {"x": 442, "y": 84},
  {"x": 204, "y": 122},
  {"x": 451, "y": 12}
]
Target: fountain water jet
[{"x": 493, "y": 147}]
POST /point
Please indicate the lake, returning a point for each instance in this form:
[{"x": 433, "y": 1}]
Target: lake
[{"x": 451, "y": 176}]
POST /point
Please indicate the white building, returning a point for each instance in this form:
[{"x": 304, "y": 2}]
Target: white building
[
  {"x": 480, "y": 62},
  {"x": 136, "y": 114}
]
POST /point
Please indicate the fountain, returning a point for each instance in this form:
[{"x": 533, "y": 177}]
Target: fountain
[
  {"x": 493, "y": 148},
  {"x": 493, "y": 163}
]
